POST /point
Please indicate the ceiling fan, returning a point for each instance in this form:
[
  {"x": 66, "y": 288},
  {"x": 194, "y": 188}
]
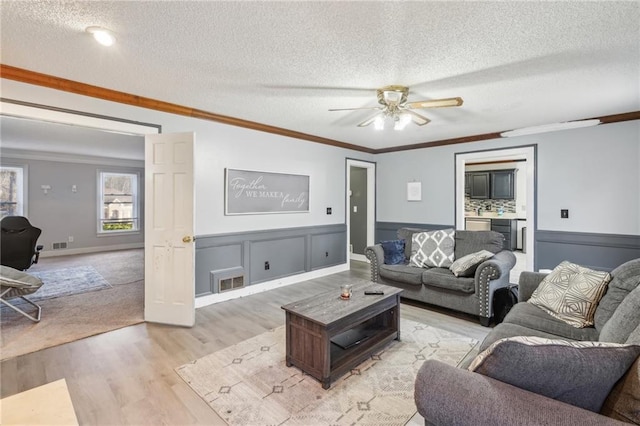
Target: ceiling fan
[{"x": 394, "y": 105}]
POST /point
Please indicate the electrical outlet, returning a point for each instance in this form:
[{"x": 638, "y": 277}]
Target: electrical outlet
[
  {"x": 266, "y": 266},
  {"x": 564, "y": 214},
  {"x": 326, "y": 254},
  {"x": 70, "y": 239},
  {"x": 328, "y": 210}
]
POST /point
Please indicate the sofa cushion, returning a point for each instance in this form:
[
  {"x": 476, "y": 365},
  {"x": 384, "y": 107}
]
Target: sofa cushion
[
  {"x": 624, "y": 320},
  {"x": 625, "y": 278},
  {"x": 623, "y": 403},
  {"x": 444, "y": 278},
  {"x": 468, "y": 242},
  {"x": 578, "y": 373},
  {"x": 434, "y": 249},
  {"x": 466, "y": 266},
  {"x": 393, "y": 252},
  {"x": 402, "y": 273},
  {"x": 406, "y": 234},
  {"x": 571, "y": 293},
  {"x": 529, "y": 315}
]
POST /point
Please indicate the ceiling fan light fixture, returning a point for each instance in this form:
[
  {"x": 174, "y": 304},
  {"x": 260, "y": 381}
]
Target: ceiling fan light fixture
[
  {"x": 378, "y": 123},
  {"x": 401, "y": 121},
  {"x": 553, "y": 127},
  {"x": 102, "y": 35}
]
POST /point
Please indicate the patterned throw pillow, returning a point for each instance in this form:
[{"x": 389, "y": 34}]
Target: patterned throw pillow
[
  {"x": 466, "y": 266},
  {"x": 434, "y": 249},
  {"x": 571, "y": 293},
  {"x": 578, "y": 373},
  {"x": 393, "y": 251}
]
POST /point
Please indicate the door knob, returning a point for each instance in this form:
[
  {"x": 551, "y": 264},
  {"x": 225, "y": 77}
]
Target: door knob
[{"x": 188, "y": 239}]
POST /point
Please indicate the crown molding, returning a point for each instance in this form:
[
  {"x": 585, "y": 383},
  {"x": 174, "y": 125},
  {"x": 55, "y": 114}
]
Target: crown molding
[
  {"x": 45, "y": 80},
  {"x": 52, "y": 82}
]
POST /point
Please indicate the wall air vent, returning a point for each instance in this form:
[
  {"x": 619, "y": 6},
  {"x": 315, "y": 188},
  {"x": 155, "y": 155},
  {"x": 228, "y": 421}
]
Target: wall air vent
[
  {"x": 227, "y": 279},
  {"x": 58, "y": 246},
  {"x": 231, "y": 283}
]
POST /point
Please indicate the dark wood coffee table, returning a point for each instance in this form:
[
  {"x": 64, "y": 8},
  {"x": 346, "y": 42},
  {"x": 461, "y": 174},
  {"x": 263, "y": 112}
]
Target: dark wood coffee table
[{"x": 328, "y": 336}]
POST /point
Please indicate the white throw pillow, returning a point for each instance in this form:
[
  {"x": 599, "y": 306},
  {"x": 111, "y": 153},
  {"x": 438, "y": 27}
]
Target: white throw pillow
[
  {"x": 571, "y": 293},
  {"x": 466, "y": 266}
]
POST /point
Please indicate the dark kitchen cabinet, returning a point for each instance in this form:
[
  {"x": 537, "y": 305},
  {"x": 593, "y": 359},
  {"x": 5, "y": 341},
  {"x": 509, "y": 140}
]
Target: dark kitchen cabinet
[
  {"x": 508, "y": 228},
  {"x": 502, "y": 184},
  {"x": 467, "y": 184},
  {"x": 480, "y": 185}
]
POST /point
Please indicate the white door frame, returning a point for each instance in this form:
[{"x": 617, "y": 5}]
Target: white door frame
[
  {"x": 77, "y": 118},
  {"x": 371, "y": 205},
  {"x": 526, "y": 152}
]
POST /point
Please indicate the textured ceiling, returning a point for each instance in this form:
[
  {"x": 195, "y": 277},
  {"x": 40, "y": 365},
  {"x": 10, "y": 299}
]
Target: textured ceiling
[{"x": 284, "y": 64}]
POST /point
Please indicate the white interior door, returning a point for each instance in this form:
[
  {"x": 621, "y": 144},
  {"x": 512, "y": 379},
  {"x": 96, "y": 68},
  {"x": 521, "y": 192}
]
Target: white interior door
[{"x": 169, "y": 228}]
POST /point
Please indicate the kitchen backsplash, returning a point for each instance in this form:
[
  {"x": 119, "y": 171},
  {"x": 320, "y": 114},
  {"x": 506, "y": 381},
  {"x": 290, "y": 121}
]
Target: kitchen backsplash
[{"x": 470, "y": 205}]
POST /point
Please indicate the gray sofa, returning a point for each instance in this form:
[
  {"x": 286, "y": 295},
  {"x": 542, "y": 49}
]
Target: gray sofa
[
  {"x": 447, "y": 395},
  {"x": 439, "y": 286}
]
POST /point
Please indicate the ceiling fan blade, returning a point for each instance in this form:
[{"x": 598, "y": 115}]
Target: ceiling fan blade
[
  {"x": 352, "y": 109},
  {"x": 417, "y": 118},
  {"x": 435, "y": 103},
  {"x": 368, "y": 121}
]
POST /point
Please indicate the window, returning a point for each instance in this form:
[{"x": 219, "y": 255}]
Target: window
[
  {"x": 12, "y": 191},
  {"x": 118, "y": 203}
]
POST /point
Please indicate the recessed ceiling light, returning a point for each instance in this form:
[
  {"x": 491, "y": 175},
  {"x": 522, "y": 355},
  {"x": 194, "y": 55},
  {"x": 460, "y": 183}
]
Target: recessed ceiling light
[
  {"x": 550, "y": 128},
  {"x": 102, "y": 35}
]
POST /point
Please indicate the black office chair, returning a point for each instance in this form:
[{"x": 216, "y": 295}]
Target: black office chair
[{"x": 18, "y": 243}]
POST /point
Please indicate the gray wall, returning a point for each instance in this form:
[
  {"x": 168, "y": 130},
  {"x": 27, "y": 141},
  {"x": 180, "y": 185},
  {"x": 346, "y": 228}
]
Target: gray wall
[
  {"x": 593, "y": 172},
  {"x": 62, "y": 213}
]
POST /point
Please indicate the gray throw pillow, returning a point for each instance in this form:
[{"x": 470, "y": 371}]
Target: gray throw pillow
[
  {"x": 624, "y": 319},
  {"x": 433, "y": 249},
  {"x": 466, "y": 266},
  {"x": 578, "y": 373}
]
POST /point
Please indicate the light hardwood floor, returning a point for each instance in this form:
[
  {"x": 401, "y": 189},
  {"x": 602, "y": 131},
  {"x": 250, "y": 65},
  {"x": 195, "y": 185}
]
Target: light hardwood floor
[{"x": 127, "y": 377}]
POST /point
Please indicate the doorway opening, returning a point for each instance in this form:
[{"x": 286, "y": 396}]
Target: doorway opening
[
  {"x": 360, "y": 205},
  {"x": 525, "y": 206},
  {"x": 92, "y": 142}
]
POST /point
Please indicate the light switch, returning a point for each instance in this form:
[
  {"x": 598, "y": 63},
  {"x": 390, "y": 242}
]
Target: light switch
[{"x": 564, "y": 213}]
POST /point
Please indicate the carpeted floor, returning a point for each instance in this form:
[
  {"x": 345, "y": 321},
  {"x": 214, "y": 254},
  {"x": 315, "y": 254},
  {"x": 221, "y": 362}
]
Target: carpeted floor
[
  {"x": 75, "y": 316},
  {"x": 249, "y": 383}
]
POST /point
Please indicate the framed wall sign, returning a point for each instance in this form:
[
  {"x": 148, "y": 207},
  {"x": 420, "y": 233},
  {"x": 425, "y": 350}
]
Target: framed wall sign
[
  {"x": 414, "y": 191},
  {"x": 251, "y": 192}
]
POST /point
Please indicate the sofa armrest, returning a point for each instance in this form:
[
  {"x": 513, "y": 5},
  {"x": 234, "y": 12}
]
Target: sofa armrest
[
  {"x": 446, "y": 395},
  {"x": 491, "y": 275},
  {"x": 527, "y": 284},
  {"x": 375, "y": 254}
]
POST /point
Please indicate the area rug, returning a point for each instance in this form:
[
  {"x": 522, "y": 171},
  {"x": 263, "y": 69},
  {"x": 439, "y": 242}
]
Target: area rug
[
  {"x": 249, "y": 383},
  {"x": 66, "y": 281}
]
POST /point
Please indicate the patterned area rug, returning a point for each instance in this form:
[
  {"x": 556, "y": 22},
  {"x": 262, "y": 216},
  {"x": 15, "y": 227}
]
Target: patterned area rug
[
  {"x": 249, "y": 383},
  {"x": 66, "y": 281}
]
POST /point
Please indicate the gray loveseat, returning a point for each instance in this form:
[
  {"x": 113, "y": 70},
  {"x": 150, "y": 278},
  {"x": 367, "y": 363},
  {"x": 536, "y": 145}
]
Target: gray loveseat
[
  {"x": 447, "y": 395},
  {"x": 439, "y": 286}
]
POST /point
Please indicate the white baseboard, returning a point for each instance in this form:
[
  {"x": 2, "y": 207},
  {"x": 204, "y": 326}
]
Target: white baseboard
[
  {"x": 359, "y": 257},
  {"x": 85, "y": 250},
  {"x": 268, "y": 285}
]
